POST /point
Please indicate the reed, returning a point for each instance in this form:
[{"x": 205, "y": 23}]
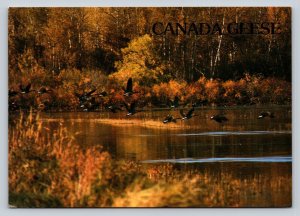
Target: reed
[{"x": 52, "y": 170}]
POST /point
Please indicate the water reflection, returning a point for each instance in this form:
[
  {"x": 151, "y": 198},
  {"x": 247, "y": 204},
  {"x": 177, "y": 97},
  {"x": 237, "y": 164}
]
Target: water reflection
[{"x": 242, "y": 136}]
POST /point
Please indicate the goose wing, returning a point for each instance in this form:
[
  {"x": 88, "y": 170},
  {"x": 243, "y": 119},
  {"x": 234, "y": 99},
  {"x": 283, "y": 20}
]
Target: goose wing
[
  {"x": 225, "y": 118},
  {"x": 77, "y": 94},
  {"x": 182, "y": 113},
  {"x": 103, "y": 94},
  {"x": 167, "y": 118},
  {"x": 42, "y": 90},
  {"x": 176, "y": 101},
  {"x": 129, "y": 84},
  {"x": 90, "y": 92},
  {"x": 169, "y": 103},
  {"x": 132, "y": 106},
  {"x": 190, "y": 112},
  {"x": 28, "y": 87},
  {"x": 21, "y": 87},
  {"x": 126, "y": 106}
]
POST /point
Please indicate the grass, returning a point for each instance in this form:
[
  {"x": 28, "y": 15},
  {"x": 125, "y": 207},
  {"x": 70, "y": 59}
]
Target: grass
[{"x": 52, "y": 170}]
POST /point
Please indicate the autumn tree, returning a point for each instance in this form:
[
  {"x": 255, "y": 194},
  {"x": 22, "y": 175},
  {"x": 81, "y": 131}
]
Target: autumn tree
[{"x": 140, "y": 61}]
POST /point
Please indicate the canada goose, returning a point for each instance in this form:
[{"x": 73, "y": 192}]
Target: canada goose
[
  {"x": 266, "y": 114},
  {"x": 90, "y": 105},
  {"x": 85, "y": 96},
  {"x": 26, "y": 89},
  {"x": 169, "y": 118},
  {"x": 113, "y": 108},
  {"x": 131, "y": 108},
  {"x": 174, "y": 103},
  {"x": 188, "y": 115},
  {"x": 43, "y": 90},
  {"x": 219, "y": 118},
  {"x": 128, "y": 91},
  {"x": 12, "y": 93},
  {"x": 13, "y": 106},
  {"x": 103, "y": 94}
]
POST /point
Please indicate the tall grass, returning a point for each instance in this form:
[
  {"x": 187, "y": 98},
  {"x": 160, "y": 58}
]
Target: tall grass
[{"x": 52, "y": 170}]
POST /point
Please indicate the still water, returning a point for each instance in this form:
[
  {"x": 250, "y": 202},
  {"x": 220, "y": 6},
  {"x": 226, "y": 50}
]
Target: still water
[
  {"x": 246, "y": 148},
  {"x": 243, "y": 138}
]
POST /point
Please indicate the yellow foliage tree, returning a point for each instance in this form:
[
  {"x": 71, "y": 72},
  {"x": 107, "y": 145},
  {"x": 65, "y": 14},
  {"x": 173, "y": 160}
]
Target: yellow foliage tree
[{"x": 140, "y": 61}]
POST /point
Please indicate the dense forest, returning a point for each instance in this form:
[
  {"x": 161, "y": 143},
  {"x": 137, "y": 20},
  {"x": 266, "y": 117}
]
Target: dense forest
[{"x": 70, "y": 51}]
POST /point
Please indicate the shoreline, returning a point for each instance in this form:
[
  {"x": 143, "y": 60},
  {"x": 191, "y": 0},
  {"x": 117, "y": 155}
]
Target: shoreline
[
  {"x": 127, "y": 122},
  {"x": 258, "y": 107}
]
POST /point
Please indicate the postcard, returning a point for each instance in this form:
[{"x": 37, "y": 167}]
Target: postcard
[{"x": 150, "y": 107}]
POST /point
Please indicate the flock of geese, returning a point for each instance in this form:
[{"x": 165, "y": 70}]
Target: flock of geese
[{"x": 88, "y": 102}]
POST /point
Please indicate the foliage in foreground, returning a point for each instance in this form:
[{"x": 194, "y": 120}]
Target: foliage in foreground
[{"x": 52, "y": 170}]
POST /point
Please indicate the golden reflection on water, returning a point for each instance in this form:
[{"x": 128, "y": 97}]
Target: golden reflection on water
[{"x": 198, "y": 137}]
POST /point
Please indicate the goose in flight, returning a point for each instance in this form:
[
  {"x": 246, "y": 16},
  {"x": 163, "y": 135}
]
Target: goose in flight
[
  {"x": 187, "y": 115},
  {"x": 103, "y": 94},
  {"x": 113, "y": 108},
  {"x": 84, "y": 96},
  {"x": 12, "y": 93},
  {"x": 25, "y": 89},
  {"x": 43, "y": 90},
  {"x": 266, "y": 114},
  {"x": 131, "y": 108},
  {"x": 174, "y": 103},
  {"x": 128, "y": 91},
  {"x": 219, "y": 118},
  {"x": 169, "y": 119}
]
